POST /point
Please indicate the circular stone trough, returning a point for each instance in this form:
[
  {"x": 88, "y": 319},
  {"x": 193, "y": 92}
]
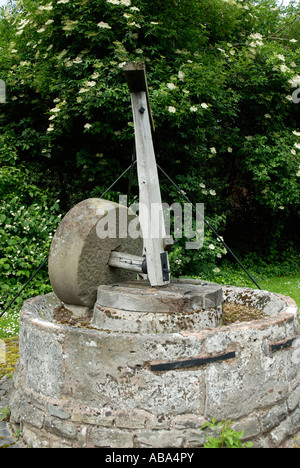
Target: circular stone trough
[{"x": 83, "y": 384}]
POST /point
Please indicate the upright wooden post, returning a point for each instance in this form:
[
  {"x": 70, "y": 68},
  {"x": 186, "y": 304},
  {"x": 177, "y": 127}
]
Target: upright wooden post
[{"x": 151, "y": 212}]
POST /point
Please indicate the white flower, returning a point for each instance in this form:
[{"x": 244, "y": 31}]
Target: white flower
[
  {"x": 284, "y": 68},
  {"x": 55, "y": 109},
  {"x": 294, "y": 152},
  {"x": 77, "y": 60},
  {"x": 83, "y": 90},
  {"x": 47, "y": 7},
  {"x": 229, "y": 150},
  {"x": 294, "y": 82},
  {"x": 91, "y": 83},
  {"x": 63, "y": 1},
  {"x": 213, "y": 192},
  {"x": 296, "y": 133},
  {"x": 202, "y": 185},
  {"x": 171, "y": 86},
  {"x": 256, "y": 36},
  {"x": 267, "y": 116},
  {"x": 113, "y": 2},
  {"x": 216, "y": 270},
  {"x": 293, "y": 65},
  {"x": 193, "y": 109},
  {"x": 135, "y": 24},
  {"x": 281, "y": 57},
  {"x": 23, "y": 23},
  {"x": 87, "y": 126},
  {"x": 50, "y": 128},
  {"x": 134, "y": 8},
  {"x": 293, "y": 40},
  {"x": 69, "y": 25},
  {"x": 298, "y": 173},
  {"x": 204, "y": 105},
  {"x": 211, "y": 247},
  {"x": 213, "y": 150},
  {"x": 297, "y": 145},
  {"x": 104, "y": 25},
  {"x": 181, "y": 75},
  {"x": 172, "y": 109},
  {"x": 50, "y": 21}
]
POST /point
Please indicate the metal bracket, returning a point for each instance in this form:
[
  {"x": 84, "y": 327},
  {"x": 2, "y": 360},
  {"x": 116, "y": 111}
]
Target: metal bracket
[{"x": 165, "y": 266}]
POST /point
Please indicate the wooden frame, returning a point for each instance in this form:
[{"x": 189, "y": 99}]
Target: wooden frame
[{"x": 150, "y": 195}]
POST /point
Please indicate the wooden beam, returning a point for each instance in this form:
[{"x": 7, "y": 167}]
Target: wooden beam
[
  {"x": 136, "y": 78},
  {"x": 152, "y": 223},
  {"x": 128, "y": 262}
]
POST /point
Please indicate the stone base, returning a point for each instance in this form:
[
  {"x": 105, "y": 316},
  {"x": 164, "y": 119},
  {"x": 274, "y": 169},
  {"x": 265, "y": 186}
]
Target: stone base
[
  {"x": 137, "y": 307},
  {"x": 79, "y": 386}
]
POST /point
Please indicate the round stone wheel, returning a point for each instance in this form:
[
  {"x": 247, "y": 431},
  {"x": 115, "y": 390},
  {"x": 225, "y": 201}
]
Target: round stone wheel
[{"x": 78, "y": 259}]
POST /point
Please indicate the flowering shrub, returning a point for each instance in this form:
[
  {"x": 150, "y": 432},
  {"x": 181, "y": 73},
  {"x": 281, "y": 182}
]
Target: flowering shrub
[
  {"x": 28, "y": 219},
  {"x": 221, "y": 77}
]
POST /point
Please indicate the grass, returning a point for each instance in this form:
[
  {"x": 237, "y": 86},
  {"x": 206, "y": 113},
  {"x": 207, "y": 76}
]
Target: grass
[{"x": 286, "y": 285}]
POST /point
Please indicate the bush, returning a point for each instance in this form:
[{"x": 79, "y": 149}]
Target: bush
[
  {"x": 28, "y": 219},
  {"x": 221, "y": 77}
]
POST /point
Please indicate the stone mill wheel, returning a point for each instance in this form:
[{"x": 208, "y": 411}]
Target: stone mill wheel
[{"x": 79, "y": 258}]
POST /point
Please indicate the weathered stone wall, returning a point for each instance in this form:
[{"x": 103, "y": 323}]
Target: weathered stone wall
[{"x": 81, "y": 387}]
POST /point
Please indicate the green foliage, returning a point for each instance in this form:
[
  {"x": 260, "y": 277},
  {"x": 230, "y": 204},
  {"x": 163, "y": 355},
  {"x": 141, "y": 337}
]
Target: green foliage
[
  {"x": 227, "y": 437},
  {"x": 5, "y": 414},
  {"x": 221, "y": 76},
  {"x": 28, "y": 219}
]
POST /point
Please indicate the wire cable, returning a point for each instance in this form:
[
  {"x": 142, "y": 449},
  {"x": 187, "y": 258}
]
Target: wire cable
[
  {"x": 209, "y": 225},
  {"x": 24, "y": 287}
]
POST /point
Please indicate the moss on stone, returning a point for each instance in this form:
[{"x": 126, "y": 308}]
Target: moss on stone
[
  {"x": 9, "y": 359},
  {"x": 233, "y": 312}
]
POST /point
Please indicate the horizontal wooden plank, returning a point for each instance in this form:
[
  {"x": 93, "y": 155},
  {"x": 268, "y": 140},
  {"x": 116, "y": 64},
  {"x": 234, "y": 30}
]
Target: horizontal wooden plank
[{"x": 126, "y": 261}]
